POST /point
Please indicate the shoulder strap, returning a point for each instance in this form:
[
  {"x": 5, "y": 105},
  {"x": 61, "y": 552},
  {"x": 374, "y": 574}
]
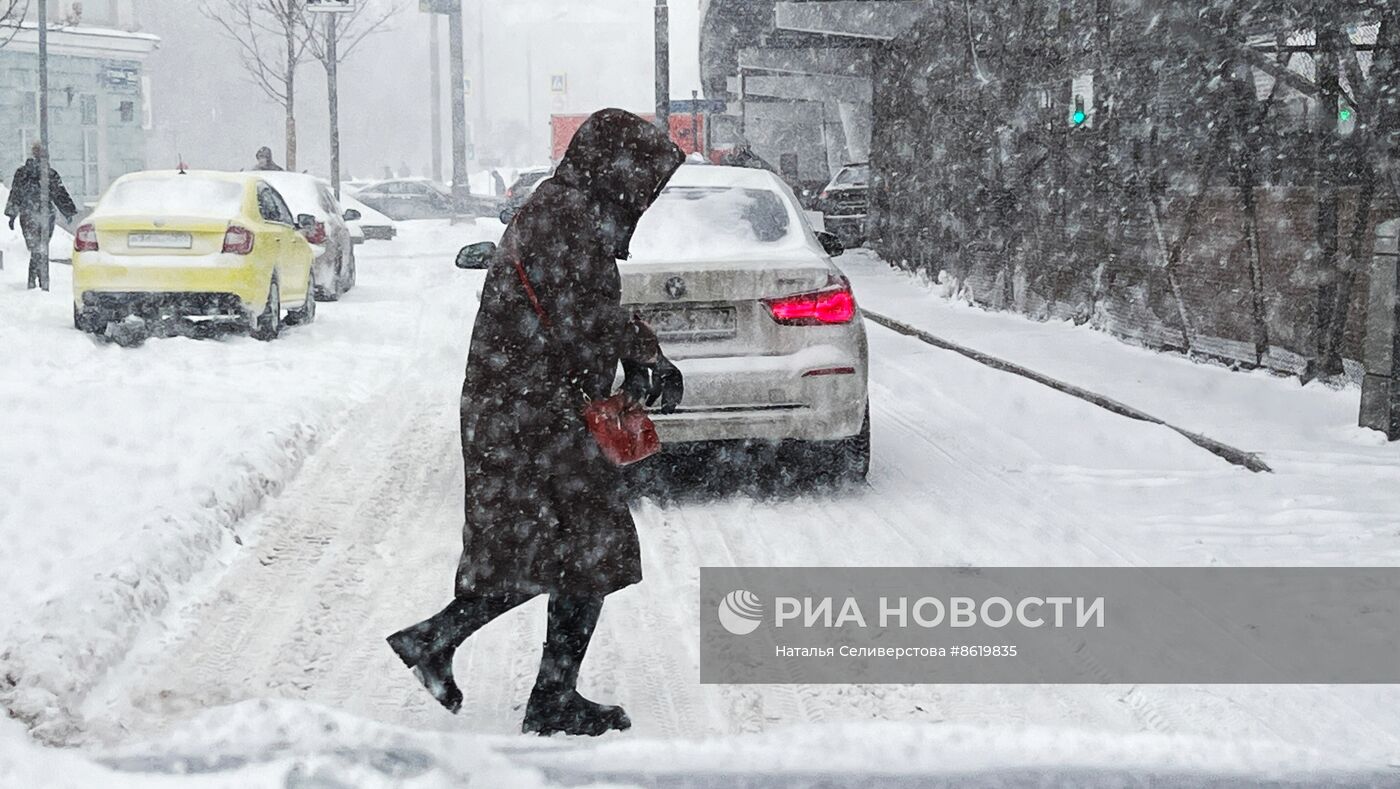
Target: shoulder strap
[{"x": 529, "y": 289}]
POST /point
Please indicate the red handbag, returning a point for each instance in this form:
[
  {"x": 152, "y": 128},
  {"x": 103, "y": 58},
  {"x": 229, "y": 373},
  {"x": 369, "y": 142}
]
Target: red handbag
[{"x": 624, "y": 432}]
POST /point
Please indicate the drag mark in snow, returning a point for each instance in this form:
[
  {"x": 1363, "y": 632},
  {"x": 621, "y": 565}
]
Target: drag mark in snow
[{"x": 1238, "y": 457}]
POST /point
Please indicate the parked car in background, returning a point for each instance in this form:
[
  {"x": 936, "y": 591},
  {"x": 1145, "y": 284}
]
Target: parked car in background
[
  {"x": 845, "y": 204},
  {"x": 182, "y": 244},
  {"x": 372, "y": 225},
  {"x": 420, "y": 198},
  {"x": 307, "y": 194},
  {"x": 525, "y": 185}
]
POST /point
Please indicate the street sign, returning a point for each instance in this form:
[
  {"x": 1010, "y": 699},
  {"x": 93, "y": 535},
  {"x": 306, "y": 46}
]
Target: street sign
[
  {"x": 467, "y": 86},
  {"x": 558, "y": 83},
  {"x": 330, "y": 6},
  {"x": 439, "y": 6}
]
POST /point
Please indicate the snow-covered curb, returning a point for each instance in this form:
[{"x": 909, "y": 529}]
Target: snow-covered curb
[{"x": 73, "y": 640}]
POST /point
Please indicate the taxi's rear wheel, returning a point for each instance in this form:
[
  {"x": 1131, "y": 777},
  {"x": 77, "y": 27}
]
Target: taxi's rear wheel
[
  {"x": 268, "y": 325},
  {"x": 307, "y": 313}
]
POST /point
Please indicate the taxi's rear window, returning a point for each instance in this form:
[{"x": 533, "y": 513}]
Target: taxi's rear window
[{"x": 177, "y": 195}]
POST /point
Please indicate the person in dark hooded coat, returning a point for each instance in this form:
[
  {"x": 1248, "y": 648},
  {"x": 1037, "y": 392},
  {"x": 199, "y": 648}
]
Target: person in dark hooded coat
[
  {"x": 546, "y": 512},
  {"x": 26, "y": 206}
]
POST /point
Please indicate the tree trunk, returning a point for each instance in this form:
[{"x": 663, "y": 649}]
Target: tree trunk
[
  {"x": 1325, "y": 176},
  {"x": 290, "y": 80}
]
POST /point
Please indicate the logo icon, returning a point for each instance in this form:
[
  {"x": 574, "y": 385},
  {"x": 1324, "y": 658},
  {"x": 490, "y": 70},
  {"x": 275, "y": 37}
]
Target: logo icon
[
  {"x": 675, "y": 287},
  {"x": 740, "y": 612}
]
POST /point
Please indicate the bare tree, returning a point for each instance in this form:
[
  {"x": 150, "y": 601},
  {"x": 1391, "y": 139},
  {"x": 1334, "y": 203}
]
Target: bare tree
[
  {"x": 12, "y": 14},
  {"x": 272, "y": 43},
  {"x": 332, "y": 41}
]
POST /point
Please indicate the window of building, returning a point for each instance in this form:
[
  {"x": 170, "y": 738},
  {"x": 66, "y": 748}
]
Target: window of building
[
  {"x": 128, "y": 111},
  {"x": 29, "y": 108},
  {"x": 90, "y": 173},
  {"x": 88, "y": 103}
]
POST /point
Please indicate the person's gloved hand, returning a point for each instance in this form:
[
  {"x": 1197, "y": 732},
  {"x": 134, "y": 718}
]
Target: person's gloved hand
[
  {"x": 636, "y": 380},
  {"x": 667, "y": 385}
]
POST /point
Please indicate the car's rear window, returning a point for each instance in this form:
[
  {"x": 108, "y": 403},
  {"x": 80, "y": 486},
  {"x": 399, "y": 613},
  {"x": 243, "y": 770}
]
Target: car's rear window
[
  {"x": 704, "y": 221},
  {"x": 178, "y": 194},
  {"x": 852, "y": 176}
]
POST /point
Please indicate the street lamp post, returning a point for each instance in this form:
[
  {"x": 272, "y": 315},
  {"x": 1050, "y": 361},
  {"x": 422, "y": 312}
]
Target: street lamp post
[
  {"x": 663, "y": 66},
  {"x": 457, "y": 80},
  {"x": 44, "y": 186}
]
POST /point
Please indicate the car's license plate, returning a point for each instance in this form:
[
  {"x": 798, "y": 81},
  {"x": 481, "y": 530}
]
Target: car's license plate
[
  {"x": 692, "y": 323},
  {"x": 159, "y": 240}
]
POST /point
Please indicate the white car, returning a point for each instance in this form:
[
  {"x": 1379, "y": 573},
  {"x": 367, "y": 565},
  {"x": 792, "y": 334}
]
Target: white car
[
  {"x": 335, "y": 265},
  {"x": 746, "y": 301}
]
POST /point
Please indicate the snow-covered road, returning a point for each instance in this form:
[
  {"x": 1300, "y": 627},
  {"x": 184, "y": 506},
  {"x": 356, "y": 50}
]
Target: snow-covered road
[{"x": 971, "y": 467}]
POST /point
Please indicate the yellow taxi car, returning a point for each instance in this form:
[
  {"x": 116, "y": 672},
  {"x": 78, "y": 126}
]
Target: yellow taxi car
[{"x": 196, "y": 243}]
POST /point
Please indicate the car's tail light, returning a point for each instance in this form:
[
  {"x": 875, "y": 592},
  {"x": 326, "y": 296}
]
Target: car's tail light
[
  {"x": 317, "y": 234},
  {"x": 238, "y": 241},
  {"x": 85, "y": 240},
  {"x": 831, "y": 305}
]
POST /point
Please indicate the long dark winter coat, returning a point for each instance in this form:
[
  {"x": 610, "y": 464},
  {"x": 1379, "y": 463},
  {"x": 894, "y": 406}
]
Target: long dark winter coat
[
  {"x": 25, "y": 190},
  {"x": 545, "y": 511}
]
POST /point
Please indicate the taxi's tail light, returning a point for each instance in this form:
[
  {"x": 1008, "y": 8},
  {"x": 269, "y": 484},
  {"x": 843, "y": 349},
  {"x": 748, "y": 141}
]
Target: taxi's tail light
[
  {"x": 85, "y": 240},
  {"x": 238, "y": 241}
]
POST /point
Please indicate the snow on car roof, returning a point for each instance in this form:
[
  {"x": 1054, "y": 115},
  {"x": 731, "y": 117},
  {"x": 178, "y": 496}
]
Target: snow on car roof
[
  {"x": 301, "y": 191},
  {"x": 717, "y": 175}
]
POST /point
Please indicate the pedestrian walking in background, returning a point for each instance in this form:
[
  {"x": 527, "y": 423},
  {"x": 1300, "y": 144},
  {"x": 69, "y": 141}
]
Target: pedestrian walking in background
[
  {"x": 498, "y": 184},
  {"x": 546, "y": 512},
  {"x": 35, "y": 217},
  {"x": 265, "y": 160}
]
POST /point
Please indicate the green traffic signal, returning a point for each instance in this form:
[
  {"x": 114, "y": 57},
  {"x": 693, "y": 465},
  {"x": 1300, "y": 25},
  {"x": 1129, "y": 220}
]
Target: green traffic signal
[
  {"x": 1345, "y": 114},
  {"x": 1079, "y": 117}
]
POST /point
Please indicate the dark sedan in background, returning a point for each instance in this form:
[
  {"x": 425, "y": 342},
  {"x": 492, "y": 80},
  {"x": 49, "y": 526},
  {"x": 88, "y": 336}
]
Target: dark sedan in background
[
  {"x": 845, "y": 203},
  {"x": 420, "y": 198}
]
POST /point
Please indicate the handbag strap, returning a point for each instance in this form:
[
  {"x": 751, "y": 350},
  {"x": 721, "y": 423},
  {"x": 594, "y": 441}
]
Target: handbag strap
[{"x": 529, "y": 289}]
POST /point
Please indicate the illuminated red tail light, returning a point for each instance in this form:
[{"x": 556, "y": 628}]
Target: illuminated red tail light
[
  {"x": 833, "y": 305},
  {"x": 85, "y": 240},
  {"x": 238, "y": 241}
]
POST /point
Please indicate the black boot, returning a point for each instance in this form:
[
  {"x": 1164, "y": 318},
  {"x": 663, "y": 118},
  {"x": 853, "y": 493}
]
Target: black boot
[
  {"x": 428, "y": 647},
  {"x": 555, "y": 704}
]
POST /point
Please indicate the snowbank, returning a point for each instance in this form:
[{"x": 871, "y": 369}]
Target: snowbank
[{"x": 277, "y": 744}]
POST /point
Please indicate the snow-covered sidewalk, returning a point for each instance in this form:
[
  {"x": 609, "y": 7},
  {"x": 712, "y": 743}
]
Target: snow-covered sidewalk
[{"x": 1335, "y": 490}]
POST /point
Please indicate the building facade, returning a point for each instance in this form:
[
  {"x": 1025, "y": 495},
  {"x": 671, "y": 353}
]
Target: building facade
[{"x": 98, "y": 94}]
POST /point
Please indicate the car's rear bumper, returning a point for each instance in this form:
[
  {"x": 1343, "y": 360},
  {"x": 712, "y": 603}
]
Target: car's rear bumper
[
  {"x": 104, "y": 306},
  {"x": 817, "y": 394},
  {"x": 126, "y": 278},
  {"x": 830, "y": 422}
]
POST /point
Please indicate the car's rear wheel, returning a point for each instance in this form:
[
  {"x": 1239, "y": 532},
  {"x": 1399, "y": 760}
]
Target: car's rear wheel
[
  {"x": 86, "y": 320},
  {"x": 847, "y": 460},
  {"x": 307, "y": 312},
  {"x": 333, "y": 290},
  {"x": 350, "y": 273},
  {"x": 267, "y": 325}
]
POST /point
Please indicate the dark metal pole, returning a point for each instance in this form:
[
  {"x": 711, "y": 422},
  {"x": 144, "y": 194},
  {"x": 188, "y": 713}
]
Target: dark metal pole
[
  {"x": 695, "y": 120},
  {"x": 44, "y": 187},
  {"x": 333, "y": 92},
  {"x": 435, "y": 75},
  {"x": 663, "y": 65},
  {"x": 457, "y": 82}
]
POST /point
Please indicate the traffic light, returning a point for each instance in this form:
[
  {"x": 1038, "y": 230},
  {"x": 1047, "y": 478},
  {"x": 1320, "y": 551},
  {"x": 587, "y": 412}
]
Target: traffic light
[{"x": 1079, "y": 117}]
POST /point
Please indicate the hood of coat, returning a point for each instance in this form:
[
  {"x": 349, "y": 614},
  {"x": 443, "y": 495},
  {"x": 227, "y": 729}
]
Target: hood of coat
[{"x": 621, "y": 163}]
